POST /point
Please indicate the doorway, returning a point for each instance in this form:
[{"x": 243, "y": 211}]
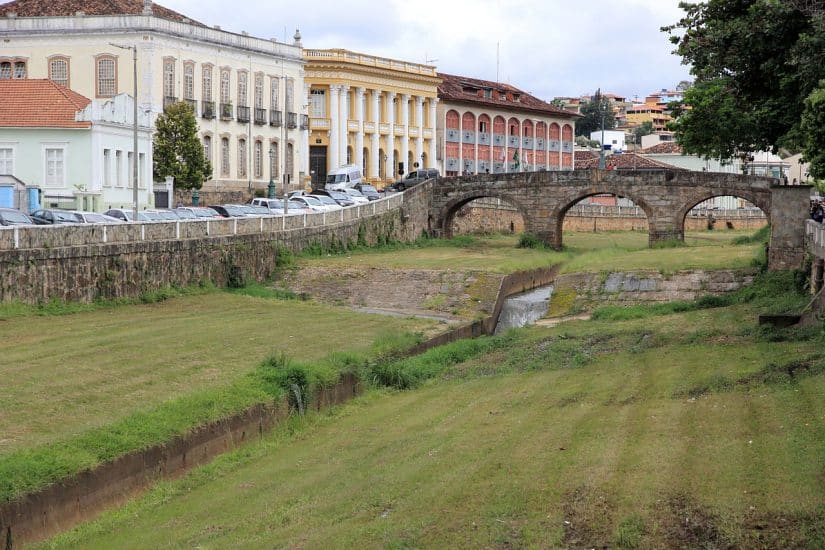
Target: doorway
[{"x": 318, "y": 165}]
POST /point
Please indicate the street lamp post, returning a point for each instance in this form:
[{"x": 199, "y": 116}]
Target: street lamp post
[
  {"x": 135, "y": 155},
  {"x": 601, "y": 153}
]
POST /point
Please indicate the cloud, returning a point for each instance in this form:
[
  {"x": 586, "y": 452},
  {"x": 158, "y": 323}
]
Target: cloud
[{"x": 546, "y": 47}]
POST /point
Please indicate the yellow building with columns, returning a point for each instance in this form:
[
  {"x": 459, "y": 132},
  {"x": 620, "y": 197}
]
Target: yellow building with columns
[{"x": 374, "y": 112}]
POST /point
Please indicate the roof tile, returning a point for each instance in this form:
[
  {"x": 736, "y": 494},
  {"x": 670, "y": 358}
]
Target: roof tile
[
  {"x": 52, "y": 8},
  {"x": 32, "y": 103}
]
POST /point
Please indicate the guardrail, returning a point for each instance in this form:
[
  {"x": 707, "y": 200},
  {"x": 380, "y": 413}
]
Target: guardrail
[
  {"x": 59, "y": 236},
  {"x": 604, "y": 211}
]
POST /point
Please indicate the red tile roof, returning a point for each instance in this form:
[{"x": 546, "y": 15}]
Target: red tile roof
[
  {"x": 51, "y": 8},
  {"x": 625, "y": 161},
  {"x": 32, "y": 103},
  {"x": 453, "y": 89},
  {"x": 664, "y": 148}
]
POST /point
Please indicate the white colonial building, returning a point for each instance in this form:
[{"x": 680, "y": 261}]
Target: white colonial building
[{"x": 248, "y": 93}]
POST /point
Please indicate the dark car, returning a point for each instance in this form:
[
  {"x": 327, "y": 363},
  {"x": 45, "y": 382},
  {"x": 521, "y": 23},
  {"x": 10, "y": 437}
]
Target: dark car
[
  {"x": 368, "y": 191},
  {"x": 414, "y": 178},
  {"x": 49, "y": 216},
  {"x": 11, "y": 216},
  {"x": 338, "y": 196},
  {"x": 228, "y": 211}
]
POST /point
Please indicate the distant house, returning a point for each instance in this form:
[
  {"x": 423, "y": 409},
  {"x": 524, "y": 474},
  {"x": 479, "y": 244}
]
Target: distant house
[{"x": 78, "y": 151}]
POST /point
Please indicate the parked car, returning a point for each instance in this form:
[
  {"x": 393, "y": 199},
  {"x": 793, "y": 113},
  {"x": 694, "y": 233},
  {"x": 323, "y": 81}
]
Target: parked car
[
  {"x": 229, "y": 211},
  {"x": 339, "y": 197},
  {"x": 200, "y": 212},
  {"x": 414, "y": 178},
  {"x": 313, "y": 204},
  {"x": 276, "y": 207},
  {"x": 356, "y": 195},
  {"x": 331, "y": 203},
  {"x": 253, "y": 209},
  {"x": 348, "y": 175},
  {"x": 12, "y": 216},
  {"x": 125, "y": 214},
  {"x": 94, "y": 217},
  {"x": 49, "y": 216},
  {"x": 185, "y": 214},
  {"x": 368, "y": 191},
  {"x": 164, "y": 215}
]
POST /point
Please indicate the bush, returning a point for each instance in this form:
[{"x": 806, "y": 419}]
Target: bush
[{"x": 528, "y": 240}]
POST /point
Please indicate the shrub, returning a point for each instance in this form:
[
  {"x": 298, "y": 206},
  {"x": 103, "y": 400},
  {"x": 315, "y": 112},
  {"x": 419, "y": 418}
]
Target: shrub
[{"x": 528, "y": 240}]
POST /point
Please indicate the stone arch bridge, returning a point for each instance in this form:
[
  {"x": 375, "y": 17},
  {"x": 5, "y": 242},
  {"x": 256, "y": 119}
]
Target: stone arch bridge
[{"x": 666, "y": 196}]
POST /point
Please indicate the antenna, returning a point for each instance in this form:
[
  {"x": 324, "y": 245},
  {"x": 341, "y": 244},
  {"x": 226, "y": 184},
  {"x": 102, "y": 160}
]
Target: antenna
[
  {"x": 427, "y": 59},
  {"x": 497, "y": 60}
]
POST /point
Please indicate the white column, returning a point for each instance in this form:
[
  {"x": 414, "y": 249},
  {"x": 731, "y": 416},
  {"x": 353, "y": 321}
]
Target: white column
[
  {"x": 390, "y": 164},
  {"x": 405, "y": 139},
  {"x": 376, "y": 145},
  {"x": 343, "y": 126},
  {"x": 419, "y": 121},
  {"x": 433, "y": 142},
  {"x": 304, "y": 163},
  {"x": 333, "y": 127},
  {"x": 359, "y": 135}
]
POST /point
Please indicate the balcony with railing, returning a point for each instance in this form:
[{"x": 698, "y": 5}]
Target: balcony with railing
[
  {"x": 243, "y": 113},
  {"x": 292, "y": 120},
  {"x": 352, "y": 125},
  {"x": 384, "y": 128},
  {"x": 319, "y": 123},
  {"x": 169, "y": 100},
  {"x": 193, "y": 103},
  {"x": 260, "y": 116},
  {"x": 413, "y": 131},
  {"x": 369, "y": 127},
  {"x": 208, "y": 109},
  {"x": 275, "y": 118},
  {"x": 399, "y": 129},
  {"x": 226, "y": 111}
]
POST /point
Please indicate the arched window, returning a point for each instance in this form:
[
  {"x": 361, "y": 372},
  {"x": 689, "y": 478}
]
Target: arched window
[
  {"x": 206, "y": 76},
  {"x": 169, "y": 79},
  {"x": 290, "y": 161},
  {"x": 225, "y": 156},
  {"x": 225, "y": 86},
  {"x": 106, "y": 76},
  {"x": 273, "y": 160},
  {"x": 259, "y": 91},
  {"x": 59, "y": 70},
  {"x": 189, "y": 81},
  {"x": 241, "y": 158},
  {"x": 207, "y": 148},
  {"x": 243, "y": 100},
  {"x": 259, "y": 160}
]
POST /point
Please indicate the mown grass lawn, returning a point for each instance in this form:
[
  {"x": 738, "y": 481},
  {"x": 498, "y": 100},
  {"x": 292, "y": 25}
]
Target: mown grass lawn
[
  {"x": 680, "y": 430},
  {"x": 65, "y": 374},
  {"x": 584, "y": 251}
]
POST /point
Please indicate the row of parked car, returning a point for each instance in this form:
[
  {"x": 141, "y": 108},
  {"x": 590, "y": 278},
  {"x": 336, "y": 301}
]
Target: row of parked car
[{"x": 299, "y": 202}]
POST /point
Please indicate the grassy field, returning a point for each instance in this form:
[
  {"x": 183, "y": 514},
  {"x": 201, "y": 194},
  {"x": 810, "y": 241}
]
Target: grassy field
[
  {"x": 693, "y": 429},
  {"x": 584, "y": 251},
  {"x": 67, "y": 376}
]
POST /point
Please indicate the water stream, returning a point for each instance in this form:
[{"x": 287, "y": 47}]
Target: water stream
[{"x": 524, "y": 309}]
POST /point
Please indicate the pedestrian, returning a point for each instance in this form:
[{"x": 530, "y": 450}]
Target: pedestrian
[{"x": 818, "y": 213}]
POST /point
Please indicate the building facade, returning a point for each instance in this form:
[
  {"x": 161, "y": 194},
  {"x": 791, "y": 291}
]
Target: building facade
[
  {"x": 77, "y": 151},
  {"x": 247, "y": 92},
  {"x": 489, "y": 127},
  {"x": 376, "y": 113}
]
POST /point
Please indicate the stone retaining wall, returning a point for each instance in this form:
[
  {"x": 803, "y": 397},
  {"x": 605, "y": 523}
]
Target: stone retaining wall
[{"x": 88, "y": 262}]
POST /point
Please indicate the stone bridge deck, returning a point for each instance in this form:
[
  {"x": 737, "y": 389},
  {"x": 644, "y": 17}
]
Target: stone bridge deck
[{"x": 665, "y": 196}]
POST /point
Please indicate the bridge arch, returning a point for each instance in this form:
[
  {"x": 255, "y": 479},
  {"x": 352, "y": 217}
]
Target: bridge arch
[
  {"x": 760, "y": 200},
  {"x": 452, "y": 207},
  {"x": 557, "y": 215}
]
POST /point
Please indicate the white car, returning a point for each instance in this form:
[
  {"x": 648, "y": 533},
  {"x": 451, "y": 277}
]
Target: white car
[
  {"x": 355, "y": 195},
  {"x": 329, "y": 202},
  {"x": 315, "y": 204},
  {"x": 94, "y": 217}
]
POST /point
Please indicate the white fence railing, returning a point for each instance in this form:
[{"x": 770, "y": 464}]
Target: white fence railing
[
  {"x": 816, "y": 237},
  {"x": 603, "y": 211},
  {"x": 59, "y": 236}
]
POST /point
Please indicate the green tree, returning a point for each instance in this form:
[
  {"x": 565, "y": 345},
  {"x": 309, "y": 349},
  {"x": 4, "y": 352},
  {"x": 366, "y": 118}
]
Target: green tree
[
  {"x": 177, "y": 150},
  {"x": 755, "y": 61},
  {"x": 643, "y": 129},
  {"x": 813, "y": 131},
  {"x": 592, "y": 112}
]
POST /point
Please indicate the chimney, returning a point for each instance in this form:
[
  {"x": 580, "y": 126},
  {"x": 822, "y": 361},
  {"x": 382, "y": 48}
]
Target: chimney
[{"x": 147, "y": 7}]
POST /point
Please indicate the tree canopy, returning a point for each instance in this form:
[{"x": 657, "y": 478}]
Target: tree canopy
[
  {"x": 177, "y": 150},
  {"x": 592, "y": 115},
  {"x": 755, "y": 63}
]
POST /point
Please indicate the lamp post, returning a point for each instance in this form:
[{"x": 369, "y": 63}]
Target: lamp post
[
  {"x": 601, "y": 153},
  {"x": 270, "y": 189},
  {"x": 135, "y": 156}
]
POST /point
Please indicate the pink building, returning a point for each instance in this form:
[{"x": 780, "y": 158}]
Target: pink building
[{"x": 490, "y": 127}]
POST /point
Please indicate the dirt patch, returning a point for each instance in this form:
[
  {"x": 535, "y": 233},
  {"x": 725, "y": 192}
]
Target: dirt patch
[
  {"x": 783, "y": 531},
  {"x": 445, "y": 294},
  {"x": 587, "y": 518},
  {"x": 688, "y": 525}
]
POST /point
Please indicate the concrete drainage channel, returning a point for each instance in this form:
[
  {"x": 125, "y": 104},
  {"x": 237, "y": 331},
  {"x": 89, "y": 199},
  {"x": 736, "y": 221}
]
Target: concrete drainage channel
[{"x": 37, "y": 516}]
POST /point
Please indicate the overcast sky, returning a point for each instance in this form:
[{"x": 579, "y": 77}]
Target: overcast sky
[{"x": 546, "y": 47}]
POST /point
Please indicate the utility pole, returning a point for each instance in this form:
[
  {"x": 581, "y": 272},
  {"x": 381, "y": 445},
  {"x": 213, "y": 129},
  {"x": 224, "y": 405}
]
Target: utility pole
[{"x": 135, "y": 156}]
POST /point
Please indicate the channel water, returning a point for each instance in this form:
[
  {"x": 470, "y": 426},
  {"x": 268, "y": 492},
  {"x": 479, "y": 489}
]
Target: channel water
[{"x": 524, "y": 309}]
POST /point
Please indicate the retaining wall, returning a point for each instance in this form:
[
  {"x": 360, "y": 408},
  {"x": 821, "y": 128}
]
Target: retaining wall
[{"x": 88, "y": 262}]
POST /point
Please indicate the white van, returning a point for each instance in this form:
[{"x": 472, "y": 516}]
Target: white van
[{"x": 343, "y": 177}]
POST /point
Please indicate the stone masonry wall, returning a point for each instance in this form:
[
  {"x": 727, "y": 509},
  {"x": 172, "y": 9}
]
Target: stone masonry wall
[{"x": 126, "y": 268}]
